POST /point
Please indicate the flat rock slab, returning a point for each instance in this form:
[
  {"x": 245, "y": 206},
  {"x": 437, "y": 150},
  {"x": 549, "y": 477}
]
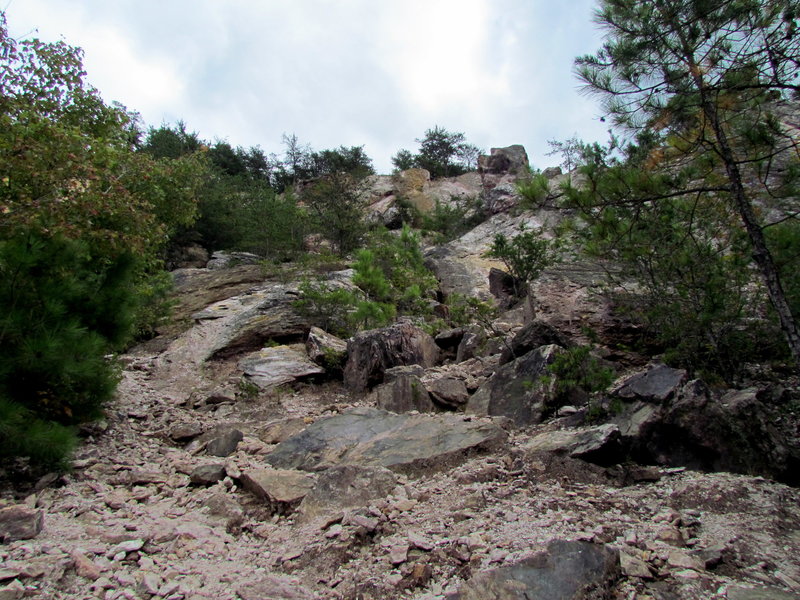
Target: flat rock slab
[
  {"x": 656, "y": 384},
  {"x": 599, "y": 444},
  {"x": 20, "y": 522},
  {"x": 275, "y": 588},
  {"x": 271, "y": 367},
  {"x": 345, "y": 487},
  {"x": 565, "y": 571},
  {"x": 372, "y": 437},
  {"x": 283, "y": 489}
]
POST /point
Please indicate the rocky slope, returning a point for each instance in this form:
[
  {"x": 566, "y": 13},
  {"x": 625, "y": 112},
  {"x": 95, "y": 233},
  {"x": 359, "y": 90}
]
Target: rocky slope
[{"x": 233, "y": 466}]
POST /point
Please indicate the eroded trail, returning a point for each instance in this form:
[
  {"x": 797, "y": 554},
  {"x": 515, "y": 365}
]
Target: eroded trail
[{"x": 130, "y": 523}]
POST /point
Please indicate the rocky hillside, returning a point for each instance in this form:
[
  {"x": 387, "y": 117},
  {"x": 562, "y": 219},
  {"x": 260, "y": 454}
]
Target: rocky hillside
[{"x": 241, "y": 460}]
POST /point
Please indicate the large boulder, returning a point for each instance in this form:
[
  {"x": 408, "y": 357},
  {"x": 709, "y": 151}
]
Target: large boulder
[
  {"x": 740, "y": 431},
  {"x": 655, "y": 384},
  {"x": 515, "y": 391},
  {"x": 512, "y": 159},
  {"x": 599, "y": 444},
  {"x": 402, "y": 391},
  {"x": 372, "y": 437},
  {"x": 532, "y": 336},
  {"x": 281, "y": 489},
  {"x": 345, "y": 487},
  {"x": 271, "y": 367},
  {"x": 371, "y": 352},
  {"x": 564, "y": 571}
]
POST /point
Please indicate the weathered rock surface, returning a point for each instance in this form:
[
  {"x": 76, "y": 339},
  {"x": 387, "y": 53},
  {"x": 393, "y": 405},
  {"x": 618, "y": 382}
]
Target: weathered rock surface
[
  {"x": 326, "y": 349},
  {"x": 513, "y": 391},
  {"x": 565, "y": 571},
  {"x": 345, "y": 487},
  {"x": 656, "y": 384},
  {"x": 403, "y": 391},
  {"x": 530, "y": 337},
  {"x": 372, "y": 437},
  {"x": 283, "y": 489},
  {"x": 599, "y": 444},
  {"x": 20, "y": 522},
  {"x": 370, "y": 353},
  {"x": 736, "y": 432},
  {"x": 271, "y": 367},
  {"x": 499, "y": 161}
]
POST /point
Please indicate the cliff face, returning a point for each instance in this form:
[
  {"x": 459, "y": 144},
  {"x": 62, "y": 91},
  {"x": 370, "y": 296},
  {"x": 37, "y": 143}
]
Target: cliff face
[{"x": 249, "y": 455}]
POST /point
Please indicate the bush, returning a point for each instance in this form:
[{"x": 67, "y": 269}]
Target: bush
[
  {"x": 450, "y": 221},
  {"x": 442, "y": 153},
  {"x": 64, "y": 311},
  {"x": 576, "y": 370},
  {"x": 525, "y": 256}
]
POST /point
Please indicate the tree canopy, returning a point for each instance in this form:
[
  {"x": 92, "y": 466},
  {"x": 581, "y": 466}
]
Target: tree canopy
[{"x": 702, "y": 88}]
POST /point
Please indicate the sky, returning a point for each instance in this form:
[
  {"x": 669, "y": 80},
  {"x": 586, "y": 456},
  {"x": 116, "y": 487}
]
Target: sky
[{"x": 376, "y": 73}]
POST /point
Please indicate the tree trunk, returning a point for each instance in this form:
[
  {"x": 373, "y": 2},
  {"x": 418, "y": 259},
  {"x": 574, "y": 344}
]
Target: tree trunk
[{"x": 761, "y": 254}]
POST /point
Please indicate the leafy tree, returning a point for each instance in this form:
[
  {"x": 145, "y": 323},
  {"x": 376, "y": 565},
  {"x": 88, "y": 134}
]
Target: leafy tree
[
  {"x": 171, "y": 142},
  {"x": 336, "y": 203},
  {"x": 702, "y": 83},
  {"x": 442, "y": 153},
  {"x": 525, "y": 255},
  {"x": 83, "y": 220}
]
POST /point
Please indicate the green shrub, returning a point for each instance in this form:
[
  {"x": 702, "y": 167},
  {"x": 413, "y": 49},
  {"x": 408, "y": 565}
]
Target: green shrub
[
  {"x": 525, "y": 255},
  {"x": 576, "y": 370},
  {"x": 63, "y": 312},
  {"x": 450, "y": 221}
]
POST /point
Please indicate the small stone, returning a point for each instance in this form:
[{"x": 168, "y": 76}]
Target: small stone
[
  {"x": 634, "y": 567},
  {"x": 398, "y": 554},
  {"x": 207, "y": 474},
  {"x": 368, "y": 523},
  {"x": 185, "y": 432},
  {"x": 671, "y": 535},
  {"x": 125, "y": 547},
  {"x": 225, "y": 444},
  {"x": 420, "y": 542},
  {"x": 84, "y": 567},
  {"x": 20, "y": 522},
  {"x": 681, "y": 560},
  {"x": 150, "y": 584},
  {"x": 12, "y": 591}
]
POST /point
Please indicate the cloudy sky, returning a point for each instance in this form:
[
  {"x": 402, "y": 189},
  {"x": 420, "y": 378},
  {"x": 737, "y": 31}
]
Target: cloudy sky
[{"x": 376, "y": 73}]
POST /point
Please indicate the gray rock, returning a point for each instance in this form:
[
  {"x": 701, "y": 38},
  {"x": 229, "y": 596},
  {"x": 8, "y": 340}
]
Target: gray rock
[
  {"x": 345, "y": 487},
  {"x": 225, "y": 443},
  {"x": 225, "y": 260},
  {"x": 530, "y": 337},
  {"x": 402, "y": 392},
  {"x": 20, "y": 522},
  {"x": 326, "y": 350},
  {"x": 372, "y": 437},
  {"x": 741, "y": 592},
  {"x": 551, "y": 172},
  {"x": 738, "y": 432},
  {"x": 271, "y": 367},
  {"x": 449, "y": 391},
  {"x": 207, "y": 474},
  {"x": 283, "y": 489},
  {"x": 184, "y": 432},
  {"x": 656, "y": 384},
  {"x": 279, "y": 431},
  {"x": 370, "y": 353},
  {"x": 514, "y": 391},
  {"x": 565, "y": 571},
  {"x": 274, "y": 587},
  {"x": 599, "y": 444},
  {"x": 512, "y": 159}
]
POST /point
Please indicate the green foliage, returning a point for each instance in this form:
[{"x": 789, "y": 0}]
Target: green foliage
[
  {"x": 64, "y": 311},
  {"x": 84, "y": 219},
  {"x": 448, "y": 221},
  {"x": 702, "y": 87},
  {"x": 534, "y": 190},
  {"x": 525, "y": 255},
  {"x": 45, "y": 443},
  {"x": 336, "y": 204},
  {"x": 575, "y": 370},
  {"x": 390, "y": 277},
  {"x": 442, "y": 153}
]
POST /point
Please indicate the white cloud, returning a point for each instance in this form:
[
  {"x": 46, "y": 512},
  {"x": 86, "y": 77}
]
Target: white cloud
[{"x": 336, "y": 72}]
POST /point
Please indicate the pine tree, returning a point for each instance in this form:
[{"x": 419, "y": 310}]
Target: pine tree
[{"x": 704, "y": 82}]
